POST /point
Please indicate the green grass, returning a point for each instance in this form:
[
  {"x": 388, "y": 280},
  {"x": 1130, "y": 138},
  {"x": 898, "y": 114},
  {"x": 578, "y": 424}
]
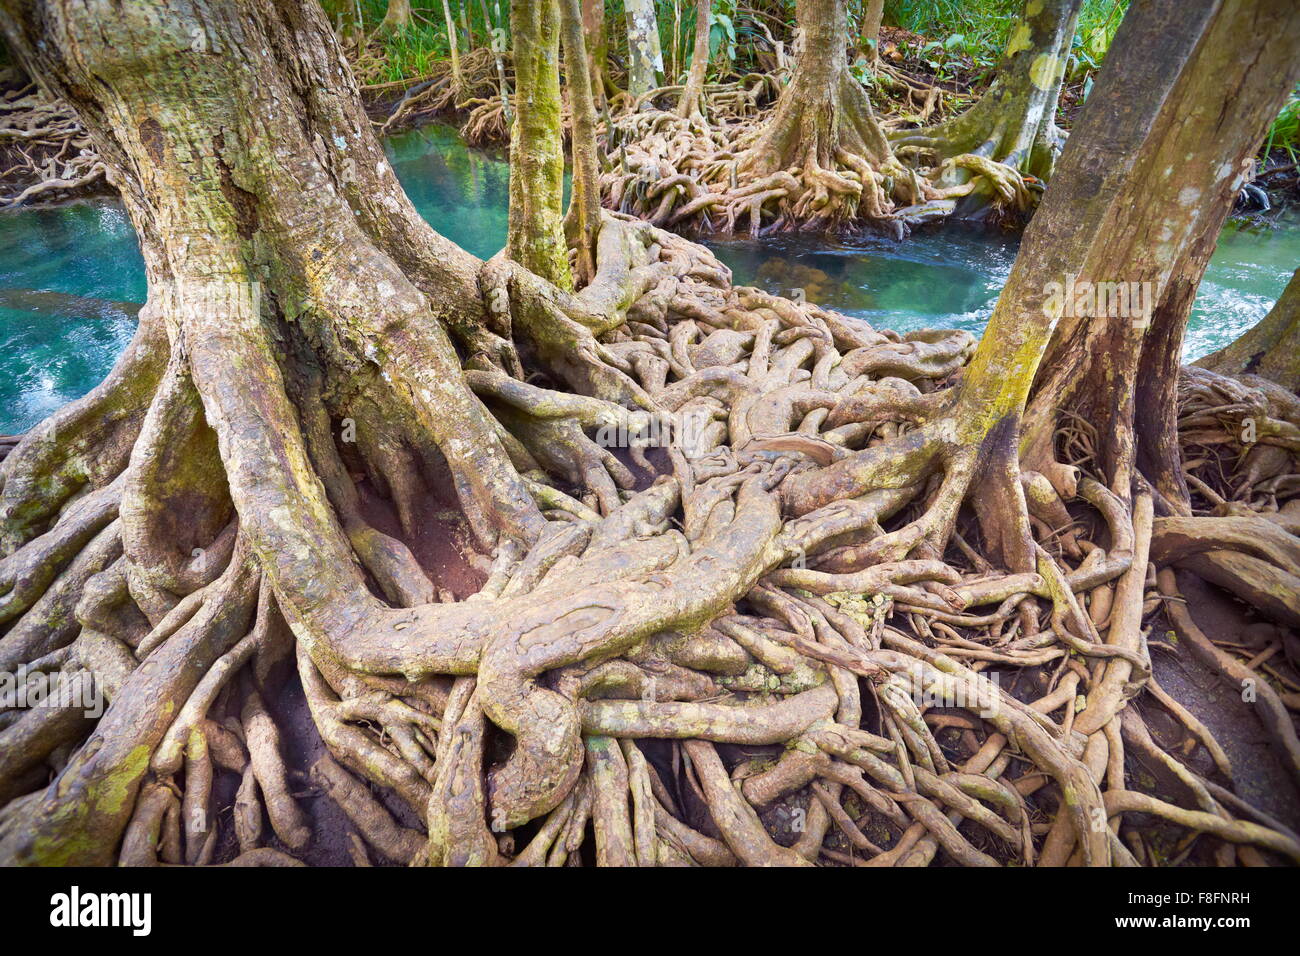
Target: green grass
[
  {"x": 412, "y": 51},
  {"x": 1284, "y": 134}
]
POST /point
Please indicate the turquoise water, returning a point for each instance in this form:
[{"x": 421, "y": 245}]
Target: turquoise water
[
  {"x": 71, "y": 277},
  {"x": 951, "y": 277}
]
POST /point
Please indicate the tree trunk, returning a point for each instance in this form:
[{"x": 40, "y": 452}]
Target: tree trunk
[
  {"x": 582, "y": 222},
  {"x": 871, "y": 19},
  {"x": 593, "y": 26},
  {"x": 457, "y": 77},
  {"x": 694, "y": 91},
  {"x": 1114, "y": 361},
  {"x": 396, "y": 17},
  {"x": 822, "y": 123},
  {"x": 295, "y": 336},
  {"x": 497, "y": 41},
  {"x": 536, "y": 224},
  {"x": 646, "y": 62},
  {"x": 1271, "y": 348},
  {"x": 1014, "y": 122}
]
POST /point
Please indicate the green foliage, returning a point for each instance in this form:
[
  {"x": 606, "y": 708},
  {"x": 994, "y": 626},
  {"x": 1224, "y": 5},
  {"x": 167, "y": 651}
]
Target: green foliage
[
  {"x": 979, "y": 28},
  {"x": 413, "y": 50},
  {"x": 1285, "y": 132}
]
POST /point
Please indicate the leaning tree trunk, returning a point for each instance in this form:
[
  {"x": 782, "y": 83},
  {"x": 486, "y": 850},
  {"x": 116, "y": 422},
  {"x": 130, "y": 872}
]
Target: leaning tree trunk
[
  {"x": 1014, "y": 122},
  {"x": 645, "y": 60},
  {"x": 582, "y": 222},
  {"x": 1271, "y": 348},
  {"x": 693, "y": 94},
  {"x": 535, "y": 238},
  {"x": 1116, "y": 352},
  {"x": 1111, "y": 382}
]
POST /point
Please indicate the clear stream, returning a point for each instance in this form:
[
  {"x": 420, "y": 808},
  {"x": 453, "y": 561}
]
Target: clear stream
[{"x": 71, "y": 277}]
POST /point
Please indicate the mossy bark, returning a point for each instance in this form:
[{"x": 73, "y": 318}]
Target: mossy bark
[
  {"x": 535, "y": 238},
  {"x": 1014, "y": 122},
  {"x": 582, "y": 222}
]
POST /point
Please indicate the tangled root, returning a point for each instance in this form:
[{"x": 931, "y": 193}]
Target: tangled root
[
  {"x": 44, "y": 152},
  {"x": 705, "y": 177},
  {"x": 706, "y": 655}
]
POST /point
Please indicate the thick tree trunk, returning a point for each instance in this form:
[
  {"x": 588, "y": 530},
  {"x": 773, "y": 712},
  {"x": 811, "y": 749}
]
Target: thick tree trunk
[
  {"x": 536, "y": 223},
  {"x": 1271, "y": 348},
  {"x": 646, "y": 66},
  {"x": 694, "y": 91},
  {"x": 824, "y": 108},
  {"x": 824, "y": 124},
  {"x": 582, "y": 222},
  {"x": 1116, "y": 351},
  {"x": 397, "y": 16}
]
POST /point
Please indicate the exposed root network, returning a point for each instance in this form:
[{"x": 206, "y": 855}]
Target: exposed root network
[{"x": 748, "y": 622}]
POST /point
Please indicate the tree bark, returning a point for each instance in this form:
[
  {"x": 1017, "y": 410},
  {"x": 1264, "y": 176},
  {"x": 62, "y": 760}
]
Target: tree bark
[
  {"x": 824, "y": 121},
  {"x": 1014, "y": 122},
  {"x": 582, "y": 222},
  {"x": 397, "y": 16},
  {"x": 646, "y": 66},
  {"x": 535, "y": 238},
  {"x": 593, "y": 27},
  {"x": 1121, "y": 369},
  {"x": 694, "y": 91},
  {"x": 871, "y": 19},
  {"x": 457, "y": 77}
]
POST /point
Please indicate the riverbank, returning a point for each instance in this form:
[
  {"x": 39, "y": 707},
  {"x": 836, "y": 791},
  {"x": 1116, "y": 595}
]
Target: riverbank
[{"x": 71, "y": 272}]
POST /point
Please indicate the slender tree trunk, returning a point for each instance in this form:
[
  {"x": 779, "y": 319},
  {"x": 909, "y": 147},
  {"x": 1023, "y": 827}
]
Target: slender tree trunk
[
  {"x": 498, "y": 43},
  {"x": 646, "y": 65},
  {"x": 593, "y": 26},
  {"x": 694, "y": 91},
  {"x": 1271, "y": 348},
  {"x": 582, "y": 222},
  {"x": 871, "y": 19},
  {"x": 457, "y": 77},
  {"x": 535, "y": 238}
]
